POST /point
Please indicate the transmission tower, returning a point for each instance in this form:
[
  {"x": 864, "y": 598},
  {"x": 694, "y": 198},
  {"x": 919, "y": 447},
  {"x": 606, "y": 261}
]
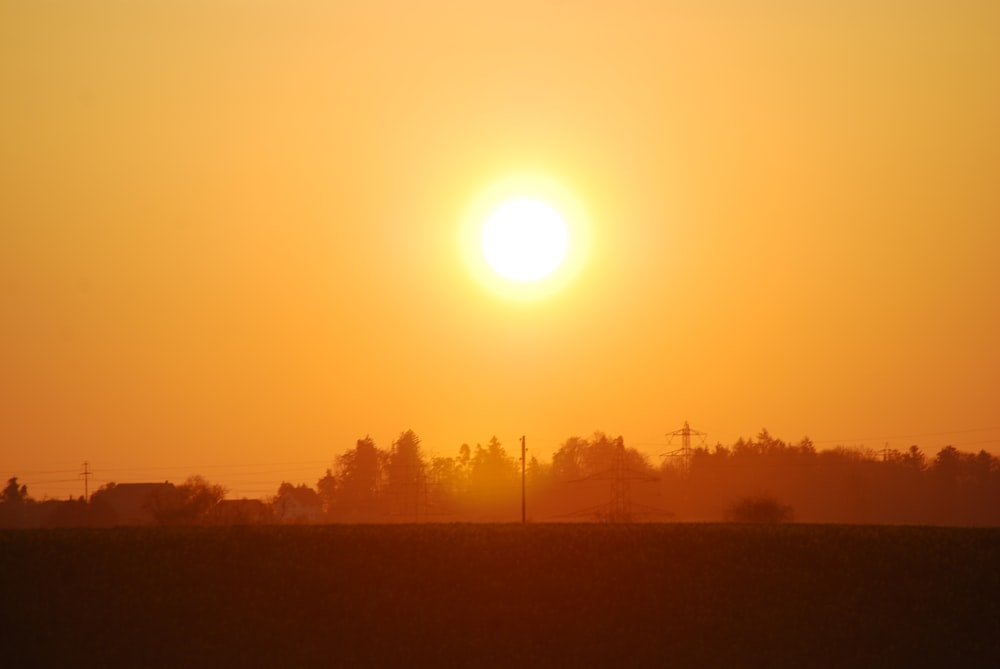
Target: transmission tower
[
  {"x": 619, "y": 508},
  {"x": 685, "y": 451},
  {"x": 885, "y": 452}
]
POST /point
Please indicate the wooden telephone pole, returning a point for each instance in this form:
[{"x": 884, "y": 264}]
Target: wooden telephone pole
[
  {"x": 85, "y": 475},
  {"x": 524, "y": 516}
]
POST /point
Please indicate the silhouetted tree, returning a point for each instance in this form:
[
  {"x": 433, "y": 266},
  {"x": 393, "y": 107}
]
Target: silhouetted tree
[
  {"x": 536, "y": 471},
  {"x": 326, "y": 488},
  {"x": 567, "y": 461},
  {"x": 359, "y": 482},
  {"x": 463, "y": 463},
  {"x": 759, "y": 509},
  {"x": 187, "y": 504},
  {"x": 494, "y": 476},
  {"x": 14, "y": 503},
  {"x": 405, "y": 476},
  {"x": 447, "y": 483},
  {"x": 915, "y": 459},
  {"x": 983, "y": 489},
  {"x": 578, "y": 457},
  {"x": 14, "y": 494}
]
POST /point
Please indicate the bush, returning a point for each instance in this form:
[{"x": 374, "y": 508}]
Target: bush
[{"x": 759, "y": 509}]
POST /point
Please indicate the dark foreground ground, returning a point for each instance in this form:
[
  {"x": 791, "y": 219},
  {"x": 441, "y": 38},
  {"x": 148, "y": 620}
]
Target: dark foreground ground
[{"x": 502, "y": 595}]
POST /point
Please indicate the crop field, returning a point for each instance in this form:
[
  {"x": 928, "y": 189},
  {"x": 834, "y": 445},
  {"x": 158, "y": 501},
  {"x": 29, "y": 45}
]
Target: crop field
[{"x": 672, "y": 595}]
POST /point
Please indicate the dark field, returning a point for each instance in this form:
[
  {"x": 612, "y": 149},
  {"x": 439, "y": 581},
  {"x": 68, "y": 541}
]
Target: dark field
[{"x": 502, "y": 595}]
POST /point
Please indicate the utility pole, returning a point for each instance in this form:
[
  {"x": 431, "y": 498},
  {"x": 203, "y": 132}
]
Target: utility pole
[
  {"x": 619, "y": 506},
  {"x": 685, "y": 451},
  {"x": 524, "y": 506},
  {"x": 86, "y": 474}
]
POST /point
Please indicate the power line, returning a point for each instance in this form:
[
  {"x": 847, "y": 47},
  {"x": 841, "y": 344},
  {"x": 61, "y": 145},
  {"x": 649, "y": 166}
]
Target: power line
[
  {"x": 884, "y": 437},
  {"x": 907, "y": 436},
  {"x": 220, "y": 466},
  {"x": 977, "y": 443},
  {"x": 37, "y": 472}
]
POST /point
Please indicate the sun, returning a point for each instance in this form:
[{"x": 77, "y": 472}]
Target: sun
[
  {"x": 525, "y": 236},
  {"x": 524, "y": 239}
]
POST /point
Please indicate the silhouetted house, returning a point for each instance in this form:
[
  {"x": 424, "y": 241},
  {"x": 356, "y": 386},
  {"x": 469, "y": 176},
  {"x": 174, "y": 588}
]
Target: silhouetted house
[
  {"x": 298, "y": 505},
  {"x": 135, "y": 503},
  {"x": 240, "y": 512}
]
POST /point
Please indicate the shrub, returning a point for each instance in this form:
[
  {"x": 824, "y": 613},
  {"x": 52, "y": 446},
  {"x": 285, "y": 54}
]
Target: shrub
[{"x": 758, "y": 509}]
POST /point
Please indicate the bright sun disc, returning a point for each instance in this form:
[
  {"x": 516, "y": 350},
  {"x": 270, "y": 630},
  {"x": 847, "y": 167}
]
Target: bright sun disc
[
  {"x": 524, "y": 237},
  {"x": 524, "y": 240}
]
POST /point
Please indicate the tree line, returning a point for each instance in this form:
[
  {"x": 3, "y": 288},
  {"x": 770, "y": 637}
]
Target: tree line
[{"x": 761, "y": 479}]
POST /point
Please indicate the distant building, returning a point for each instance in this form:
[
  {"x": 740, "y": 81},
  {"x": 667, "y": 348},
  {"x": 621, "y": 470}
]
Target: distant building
[
  {"x": 299, "y": 504},
  {"x": 240, "y": 512},
  {"x": 134, "y": 503}
]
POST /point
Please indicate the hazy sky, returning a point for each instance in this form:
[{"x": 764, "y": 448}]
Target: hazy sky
[{"x": 229, "y": 229}]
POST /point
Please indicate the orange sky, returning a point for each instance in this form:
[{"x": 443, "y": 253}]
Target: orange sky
[{"x": 228, "y": 229}]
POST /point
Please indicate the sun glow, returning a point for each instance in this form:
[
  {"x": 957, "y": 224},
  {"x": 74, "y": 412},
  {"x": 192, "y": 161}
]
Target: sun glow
[
  {"x": 524, "y": 240},
  {"x": 525, "y": 237}
]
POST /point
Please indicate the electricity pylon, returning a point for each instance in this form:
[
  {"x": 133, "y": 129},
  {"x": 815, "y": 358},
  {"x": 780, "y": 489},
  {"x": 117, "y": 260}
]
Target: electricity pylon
[
  {"x": 685, "y": 451},
  {"x": 619, "y": 506}
]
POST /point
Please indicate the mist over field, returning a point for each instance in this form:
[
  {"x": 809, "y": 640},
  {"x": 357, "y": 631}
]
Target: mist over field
[{"x": 761, "y": 479}]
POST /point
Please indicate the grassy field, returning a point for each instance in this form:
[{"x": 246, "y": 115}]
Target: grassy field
[{"x": 502, "y": 595}]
